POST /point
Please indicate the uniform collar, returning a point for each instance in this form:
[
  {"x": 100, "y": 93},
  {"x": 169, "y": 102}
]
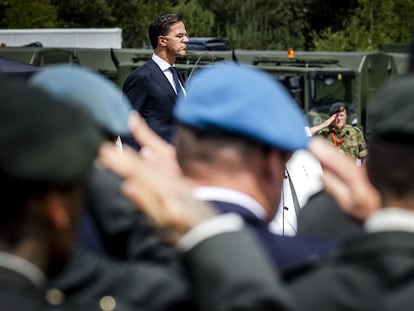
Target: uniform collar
[
  {"x": 206, "y": 193},
  {"x": 390, "y": 219},
  {"x": 23, "y": 267},
  {"x": 336, "y": 131}
]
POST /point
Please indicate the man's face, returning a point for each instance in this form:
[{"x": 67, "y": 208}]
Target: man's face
[
  {"x": 340, "y": 120},
  {"x": 177, "y": 40}
]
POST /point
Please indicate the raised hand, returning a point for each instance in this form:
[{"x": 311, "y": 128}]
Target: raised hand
[{"x": 164, "y": 196}]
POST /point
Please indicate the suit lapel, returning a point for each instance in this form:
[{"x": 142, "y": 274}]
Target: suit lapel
[{"x": 160, "y": 78}]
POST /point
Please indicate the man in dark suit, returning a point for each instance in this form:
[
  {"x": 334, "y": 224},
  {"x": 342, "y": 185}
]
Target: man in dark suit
[
  {"x": 237, "y": 129},
  {"x": 372, "y": 271},
  {"x": 153, "y": 87},
  {"x": 41, "y": 181}
]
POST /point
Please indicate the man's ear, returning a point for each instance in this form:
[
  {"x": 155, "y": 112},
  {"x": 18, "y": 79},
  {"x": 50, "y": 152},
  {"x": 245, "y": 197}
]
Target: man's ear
[
  {"x": 162, "y": 41},
  {"x": 276, "y": 162},
  {"x": 56, "y": 212}
]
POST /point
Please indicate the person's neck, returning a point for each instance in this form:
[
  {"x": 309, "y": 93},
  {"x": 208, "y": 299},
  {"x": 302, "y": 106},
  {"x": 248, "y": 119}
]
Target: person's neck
[
  {"x": 243, "y": 182},
  {"x": 339, "y": 127},
  {"x": 402, "y": 204},
  {"x": 161, "y": 53}
]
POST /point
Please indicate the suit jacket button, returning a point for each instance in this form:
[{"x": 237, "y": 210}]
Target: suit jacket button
[
  {"x": 54, "y": 296},
  {"x": 107, "y": 303}
]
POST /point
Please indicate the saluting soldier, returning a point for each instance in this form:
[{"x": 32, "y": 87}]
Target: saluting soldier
[{"x": 337, "y": 132}]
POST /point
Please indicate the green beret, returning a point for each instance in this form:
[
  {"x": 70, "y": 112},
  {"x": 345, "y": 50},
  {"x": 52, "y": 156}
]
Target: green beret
[
  {"x": 43, "y": 140},
  {"x": 391, "y": 111},
  {"x": 337, "y": 107}
]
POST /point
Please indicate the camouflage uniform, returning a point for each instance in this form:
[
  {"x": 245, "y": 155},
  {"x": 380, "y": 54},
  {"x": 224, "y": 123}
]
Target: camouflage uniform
[{"x": 350, "y": 140}]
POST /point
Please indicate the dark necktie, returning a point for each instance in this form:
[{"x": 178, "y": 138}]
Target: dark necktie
[{"x": 176, "y": 80}]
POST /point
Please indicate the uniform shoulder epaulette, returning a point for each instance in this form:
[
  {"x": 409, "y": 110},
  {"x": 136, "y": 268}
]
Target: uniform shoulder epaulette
[{"x": 357, "y": 129}]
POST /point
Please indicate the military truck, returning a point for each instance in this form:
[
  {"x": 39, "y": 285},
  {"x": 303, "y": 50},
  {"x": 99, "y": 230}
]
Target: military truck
[
  {"x": 315, "y": 84},
  {"x": 315, "y": 79},
  {"x": 318, "y": 79},
  {"x": 193, "y": 61}
]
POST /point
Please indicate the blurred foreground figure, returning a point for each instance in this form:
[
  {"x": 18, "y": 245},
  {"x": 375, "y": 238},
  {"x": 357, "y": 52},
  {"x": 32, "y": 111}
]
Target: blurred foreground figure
[
  {"x": 237, "y": 128},
  {"x": 234, "y": 155},
  {"x": 113, "y": 235},
  {"x": 42, "y": 175},
  {"x": 89, "y": 91},
  {"x": 217, "y": 249},
  {"x": 373, "y": 271}
]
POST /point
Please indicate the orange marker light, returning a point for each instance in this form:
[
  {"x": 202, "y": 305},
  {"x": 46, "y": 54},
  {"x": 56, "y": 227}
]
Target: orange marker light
[{"x": 291, "y": 53}]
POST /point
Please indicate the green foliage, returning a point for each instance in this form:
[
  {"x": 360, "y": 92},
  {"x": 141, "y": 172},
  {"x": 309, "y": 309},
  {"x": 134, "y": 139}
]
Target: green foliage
[
  {"x": 134, "y": 17},
  {"x": 3, "y": 21},
  {"x": 372, "y": 22},
  {"x": 199, "y": 22},
  {"x": 260, "y": 24},
  {"x": 341, "y": 25},
  {"x": 405, "y": 23},
  {"x": 224, "y": 11},
  {"x": 29, "y": 14},
  {"x": 84, "y": 13}
]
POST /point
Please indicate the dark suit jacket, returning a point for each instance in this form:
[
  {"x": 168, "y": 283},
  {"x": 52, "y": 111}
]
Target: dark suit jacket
[
  {"x": 287, "y": 252},
  {"x": 371, "y": 272},
  {"x": 322, "y": 217},
  {"x": 152, "y": 95},
  {"x": 18, "y": 293},
  {"x": 223, "y": 278}
]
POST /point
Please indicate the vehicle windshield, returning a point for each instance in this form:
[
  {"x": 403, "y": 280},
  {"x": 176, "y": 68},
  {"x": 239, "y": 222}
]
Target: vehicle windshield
[
  {"x": 294, "y": 84},
  {"x": 326, "y": 90}
]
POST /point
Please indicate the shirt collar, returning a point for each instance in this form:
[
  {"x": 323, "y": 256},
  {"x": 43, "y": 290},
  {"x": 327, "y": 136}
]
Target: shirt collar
[
  {"x": 23, "y": 267},
  {"x": 206, "y": 193},
  {"x": 390, "y": 219},
  {"x": 161, "y": 63}
]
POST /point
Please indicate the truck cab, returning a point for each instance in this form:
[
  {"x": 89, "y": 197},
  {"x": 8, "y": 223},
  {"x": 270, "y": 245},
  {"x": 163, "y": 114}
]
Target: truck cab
[{"x": 315, "y": 84}]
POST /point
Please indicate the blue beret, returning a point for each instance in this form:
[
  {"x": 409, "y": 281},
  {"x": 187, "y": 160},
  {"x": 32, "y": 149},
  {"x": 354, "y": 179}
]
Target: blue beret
[
  {"x": 245, "y": 101},
  {"x": 84, "y": 88},
  {"x": 42, "y": 139}
]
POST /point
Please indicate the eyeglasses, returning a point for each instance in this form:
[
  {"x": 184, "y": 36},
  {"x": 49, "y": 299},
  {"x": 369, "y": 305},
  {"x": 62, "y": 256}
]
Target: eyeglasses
[
  {"x": 179, "y": 36},
  {"x": 182, "y": 35}
]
